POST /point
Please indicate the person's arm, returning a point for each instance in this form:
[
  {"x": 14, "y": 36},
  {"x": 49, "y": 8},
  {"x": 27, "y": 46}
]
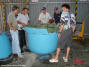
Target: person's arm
[
  {"x": 28, "y": 22},
  {"x": 51, "y": 20},
  {"x": 62, "y": 20},
  {"x": 61, "y": 29},
  {"x": 10, "y": 23},
  {"x": 21, "y": 23},
  {"x": 11, "y": 26},
  {"x": 39, "y": 19},
  {"x": 73, "y": 22}
]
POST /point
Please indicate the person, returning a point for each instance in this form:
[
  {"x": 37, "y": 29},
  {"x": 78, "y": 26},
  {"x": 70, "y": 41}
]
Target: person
[
  {"x": 57, "y": 15},
  {"x": 45, "y": 17},
  {"x": 14, "y": 31},
  {"x": 67, "y": 27},
  {"x": 23, "y": 20}
]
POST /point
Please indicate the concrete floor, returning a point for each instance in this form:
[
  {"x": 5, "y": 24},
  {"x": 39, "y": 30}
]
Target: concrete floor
[{"x": 79, "y": 50}]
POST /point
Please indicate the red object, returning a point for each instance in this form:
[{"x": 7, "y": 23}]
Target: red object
[
  {"x": 78, "y": 61},
  {"x": 51, "y": 20}
]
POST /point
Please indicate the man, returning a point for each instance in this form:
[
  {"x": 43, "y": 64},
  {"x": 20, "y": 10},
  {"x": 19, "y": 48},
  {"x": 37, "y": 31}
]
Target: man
[
  {"x": 44, "y": 17},
  {"x": 67, "y": 28},
  {"x": 22, "y": 19},
  {"x": 14, "y": 31},
  {"x": 57, "y": 15}
]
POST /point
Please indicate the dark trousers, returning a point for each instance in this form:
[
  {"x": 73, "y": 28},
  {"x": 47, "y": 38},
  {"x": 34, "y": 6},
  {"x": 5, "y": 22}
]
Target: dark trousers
[
  {"x": 22, "y": 39},
  {"x": 65, "y": 38}
]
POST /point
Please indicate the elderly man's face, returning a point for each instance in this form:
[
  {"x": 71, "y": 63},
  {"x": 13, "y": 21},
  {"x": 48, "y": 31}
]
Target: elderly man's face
[{"x": 44, "y": 11}]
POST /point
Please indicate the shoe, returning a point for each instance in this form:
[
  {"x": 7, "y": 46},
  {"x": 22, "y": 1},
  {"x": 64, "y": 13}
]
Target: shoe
[
  {"x": 65, "y": 60},
  {"x": 21, "y": 56},
  {"x": 53, "y": 61}
]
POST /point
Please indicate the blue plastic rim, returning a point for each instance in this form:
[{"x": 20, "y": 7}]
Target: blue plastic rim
[
  {"x": 40, "y": 41},
  {"x": 5, "y": 46}
]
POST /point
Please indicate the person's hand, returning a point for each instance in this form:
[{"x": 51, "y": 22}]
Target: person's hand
[
  {"x": 23, "y": 24},
  {"x": 12, "y": 28},
  {"x": 28, "y": 23},
  {"x": 41, "y": 22},
  {"x": 74, "y": 28},
  {"x": 51, "y": 21},
  {"x": 59, "y": 35}
]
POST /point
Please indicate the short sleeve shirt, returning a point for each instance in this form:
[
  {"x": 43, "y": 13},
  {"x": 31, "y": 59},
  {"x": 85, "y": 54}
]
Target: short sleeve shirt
[
  {"x": 44, "y": 17},
  {"x": 64, "y": 18},
  {"x": 23, "y": 18},
  {"x": 12, "y": 19}
]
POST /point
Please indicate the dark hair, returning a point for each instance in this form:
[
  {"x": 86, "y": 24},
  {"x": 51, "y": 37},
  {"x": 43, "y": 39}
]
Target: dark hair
[
  {"x": 25, "y": 8},
  {"x": 56, "y": 8},
  {"x": 43, "y": 8},
  {"x": 15, "y": 8},
  {"x": 66, "y": 6}
]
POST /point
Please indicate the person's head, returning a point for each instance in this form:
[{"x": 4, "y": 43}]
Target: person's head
[
  {"x": 44, "y": 10},
  {"x": 65, "y": 7},
  {"x": 25, "y": 11},
  {"x": 15, "y": 9},
  {"x": 56, "y": 10}
]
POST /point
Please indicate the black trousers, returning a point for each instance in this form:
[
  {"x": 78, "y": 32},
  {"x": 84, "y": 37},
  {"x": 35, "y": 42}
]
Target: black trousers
[{"x": 22, "y": 39}]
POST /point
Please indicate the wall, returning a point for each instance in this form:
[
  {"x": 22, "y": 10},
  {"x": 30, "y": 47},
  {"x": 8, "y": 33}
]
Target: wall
[
  {"x": 83, "y": 10},
  {"x": 35, "y": 9}
]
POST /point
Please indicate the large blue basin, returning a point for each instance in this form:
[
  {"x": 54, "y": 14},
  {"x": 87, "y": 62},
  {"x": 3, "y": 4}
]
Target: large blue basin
[
  {"x": 40, "y": 41},
  {"x": 5, "y": 46}
]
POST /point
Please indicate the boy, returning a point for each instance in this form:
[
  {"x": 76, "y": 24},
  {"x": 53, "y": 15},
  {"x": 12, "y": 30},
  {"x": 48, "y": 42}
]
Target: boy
[{"x": 67, "y": 28}]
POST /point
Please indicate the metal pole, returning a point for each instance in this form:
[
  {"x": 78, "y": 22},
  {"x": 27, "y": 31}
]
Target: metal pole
[
  {"x": 4, "y": 20},
  {"x": 3, "y": 16},
  {"x": 28, "y": 3},
  {"x": 76, "y": 11}
]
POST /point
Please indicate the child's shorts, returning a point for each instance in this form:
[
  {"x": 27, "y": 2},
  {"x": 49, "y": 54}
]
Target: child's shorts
[{"x": 65, "y": 38}]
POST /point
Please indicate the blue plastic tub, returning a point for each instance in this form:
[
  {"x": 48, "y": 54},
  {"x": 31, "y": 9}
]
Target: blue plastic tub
[
  {"x": 5, "y": 46},
  {"x": 40, "y": 41}
]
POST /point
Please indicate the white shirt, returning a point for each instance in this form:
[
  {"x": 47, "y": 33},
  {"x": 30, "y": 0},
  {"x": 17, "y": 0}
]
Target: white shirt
[
  {"x": 44, "y": 17},
  {"x": 22, "y": 18}
]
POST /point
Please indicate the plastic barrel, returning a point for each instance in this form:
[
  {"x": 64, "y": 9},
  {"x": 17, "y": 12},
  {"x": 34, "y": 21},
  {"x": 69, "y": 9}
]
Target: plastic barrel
[
  {"x": 40, "y": 41},
  {"x": 5, "y": 46}
]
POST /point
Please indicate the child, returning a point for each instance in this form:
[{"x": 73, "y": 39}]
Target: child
[{"x": 67, "y": 28}]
